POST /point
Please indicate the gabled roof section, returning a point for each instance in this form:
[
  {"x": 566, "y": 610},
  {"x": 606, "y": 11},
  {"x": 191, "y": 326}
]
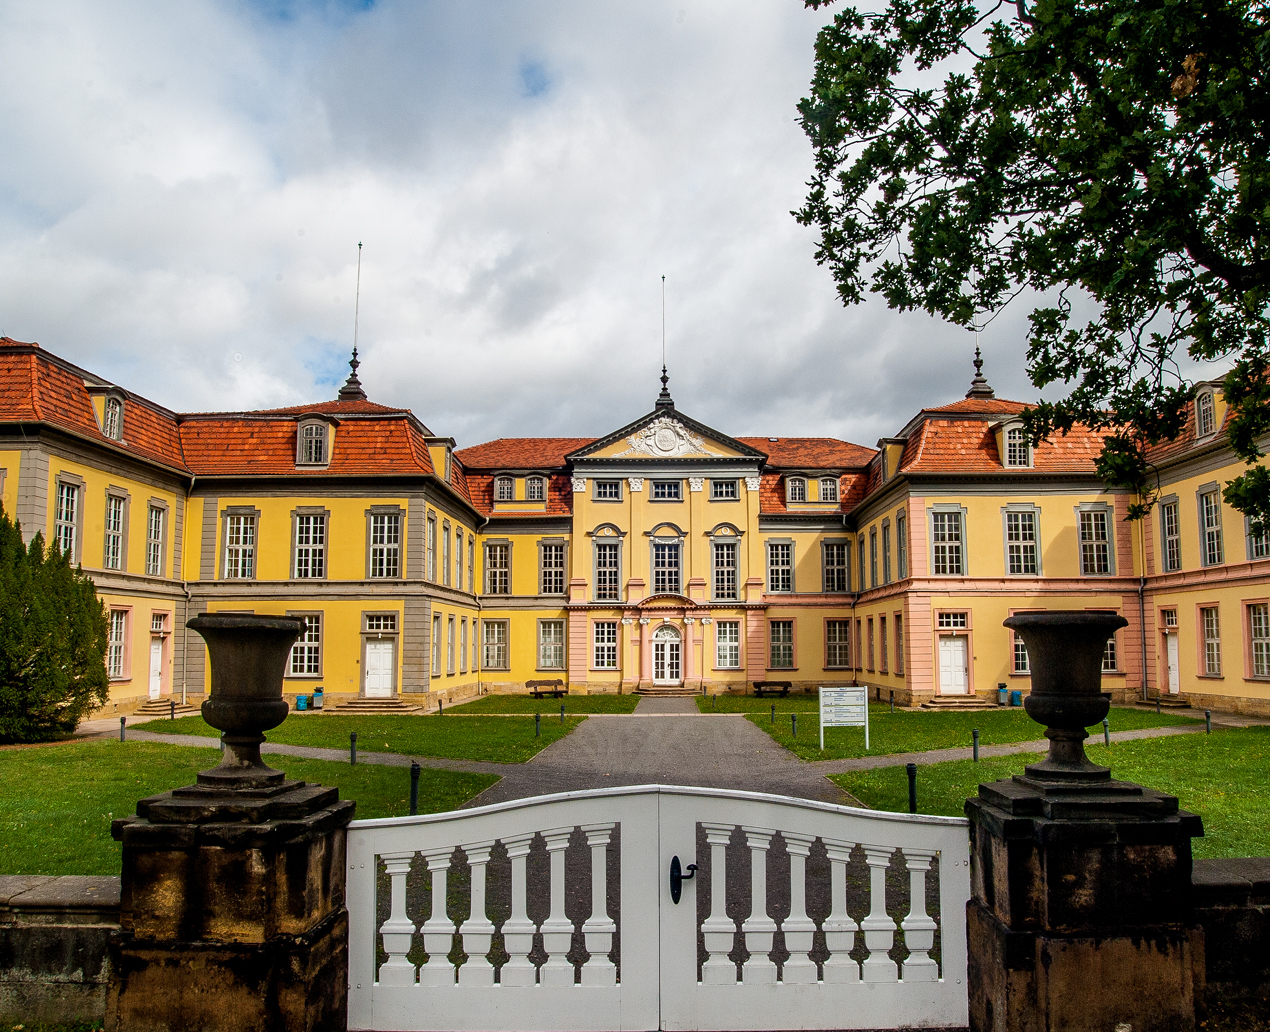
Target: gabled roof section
[
  {"x": 810, "y": 452},
  {"x": 527, "y": 453},
  {"x": 678, "y": 444}
]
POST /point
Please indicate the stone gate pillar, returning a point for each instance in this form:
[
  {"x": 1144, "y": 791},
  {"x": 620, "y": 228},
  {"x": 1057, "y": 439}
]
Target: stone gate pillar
[
  {"x": 232, "y": 913},
  {"x": 1079, "y": 916}
]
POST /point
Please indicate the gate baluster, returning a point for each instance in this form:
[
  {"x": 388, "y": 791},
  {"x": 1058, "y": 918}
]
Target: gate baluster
[
  {"x": 718, "y": 928},
  {"x": 398, "y": 931},
  {"x": 518, "y": 930},
  {"x": 478, "y": 930},
  {"x": 599, "y": 927},
  {"x": 758, "y": 927},
  {"x": 879, "y": 929},
  {"x": 839, "y": 928},
  {"x": 438, "y": 930},
  {"x": 919, "y": 927},
  {"x": 557, "y": 930},
  {"x": 799, "y": 929}
]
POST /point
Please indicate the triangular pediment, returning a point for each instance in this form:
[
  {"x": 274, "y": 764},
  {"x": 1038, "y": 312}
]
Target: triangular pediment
[{"x": 663, "y": 434}]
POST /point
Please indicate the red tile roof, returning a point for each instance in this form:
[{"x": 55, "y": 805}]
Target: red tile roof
[
  {"x": 559, "y": 496},
  {"x": 522, "y": 452},
  {"x": 970, "y": 446},
  {"x": 984, "y": 405},
  {"x": 1186, "y": 440},
  {"x": 329, "y": 408},
  {"x": 810, "y": 452}
]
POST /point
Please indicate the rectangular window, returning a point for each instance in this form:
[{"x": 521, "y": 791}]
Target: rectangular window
[
  {"x": 551, "y": 644},
  {"x": 606, "y": 589},
  {"x": 727, "y": 639},
  {"x": 951, "y": 620},
  {"x": 828, "y": 490},
  {"x": 240, "y": 547},
  {"x": 1016, "y": 448},
  {"x": 458, "y": 559},
  {"x": 1109, "y": 662},
  {"x": 605, "y": 637},
  {"x": 476, "y": 646},
  {"x": 1021, "y": 665},
  {"x": 859, "y": 648},
  {"x": 533, "y": 489},
  {"x": 946, "y": 537},
  {"x": 1170, "y": 618},
  {"x": 381, "y": 622},
  {"x": 1210, "y": 527},
  {"x": 837, "y": 644},
  {"x": 498, "y": 570},
  {"x": 154, "y": 542},
  {"x": 112, "y": 556},
  {"x": 66, "y": 518},
  {"x": 1259, "y": 637},
  {"x": 495, "y": 644},
  {"x": 723, "y": 490},
  {"x": 780, "y": 567},
  {"x": 871, "y": 649},
  {"x": 666, "y": 568},
  {"x": 899, "y": 644},
  {"x": 471, "y": 572},
  {"x": 310, "y": 546},
  {"x": 608, "y": 490},
  {"x": 667, "y": 490},
  {"x": 886, "y": 553},
  {"x": 552, "y": 559},
  {"x": 1095, "y": 548},
  {"x": 1172, "y": 537},
  {"x": 780, "y": 636},
  {"x": 385, "y": 544},
  {"x": 504, "y": 489},
  {"x": 117, "y": 642},
  {"x": 901, "y": 545},
  {"x": 462, "y": 644},
  {"x": 313, "y": 444},
  {"x": 795, "y": 490},
  {"x": 445, "y": 554},
  {"x": 1258, "y": 544},
  {"x": 436, "y": 644},
  {"x": 836, "y": 572},
  {"x": 725, "y": 570},
  {"x": 873, "y": 558},
  {"x": 432, "y": 549},
  {"x": 1212, "y": 641},
  {"x": 306, "y": 653},
  {"x": 1020, "y": 543},
  {"x": 882, "y": 647},
  {"x": 449, "y": 645}
]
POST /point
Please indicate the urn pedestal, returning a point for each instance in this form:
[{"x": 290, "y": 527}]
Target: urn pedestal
[
  {"x": 232, "y": 911},
  {"x": 1079, "y": 915}
]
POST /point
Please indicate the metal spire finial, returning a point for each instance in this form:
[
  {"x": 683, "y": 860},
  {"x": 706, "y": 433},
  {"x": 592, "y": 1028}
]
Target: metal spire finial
[
  {"x": 664, "y": 400},
  {"x": 352, "y": 389},
  {"x": 979, "y": 386}
]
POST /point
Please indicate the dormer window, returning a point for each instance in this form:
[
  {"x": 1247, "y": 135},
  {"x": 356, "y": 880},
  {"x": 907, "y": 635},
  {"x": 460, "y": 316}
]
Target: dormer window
[
  {"x": 1018, "y": 451},
  {"x": 1205, "y": 416},
  {"x": 534, "y": 489},
  {"x": 112, "y": 419},
  {"x": 313, "y": 450},
  {"x": 795, "y": 489},
  {"x": 504, "y": 489},
  {"x": 829, "y": 490}
]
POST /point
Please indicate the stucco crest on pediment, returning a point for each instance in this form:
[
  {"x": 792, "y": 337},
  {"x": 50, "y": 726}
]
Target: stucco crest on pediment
[{"x": 664, "y": 438}]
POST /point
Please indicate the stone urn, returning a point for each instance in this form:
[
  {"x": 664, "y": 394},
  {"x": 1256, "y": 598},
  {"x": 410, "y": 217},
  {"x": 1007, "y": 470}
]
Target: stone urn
[
  {"x": 249, "y": 658},
  {"x": 1065, "y": 650}
]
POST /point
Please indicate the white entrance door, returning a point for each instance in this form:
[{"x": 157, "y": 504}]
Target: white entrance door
[
  {"x": 379, "y": 669},
  {"x": 156, "y": 667},
  {"x": 666, "y": 657},
  {"x": 1170, "y": 643},
  {"x": 954, "y": 670}
]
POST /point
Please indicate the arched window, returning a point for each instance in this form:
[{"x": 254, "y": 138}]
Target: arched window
[
  {"x": 312, "y": 444},
  {"x": 795, "y": 489},
  {"x": 534, "y": 489},
  {"x": 503, "y": 489},
  {"x": 829, "y": 489},
  {"x": 1018, "y": 452},
  {"x": 112, "y": 422},
  {"x": 1205, "y": 416}
]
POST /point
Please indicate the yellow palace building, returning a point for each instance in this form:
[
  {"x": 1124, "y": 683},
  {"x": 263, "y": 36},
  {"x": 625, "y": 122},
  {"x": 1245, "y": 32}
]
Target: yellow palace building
[{"x": 661, "y": 556}]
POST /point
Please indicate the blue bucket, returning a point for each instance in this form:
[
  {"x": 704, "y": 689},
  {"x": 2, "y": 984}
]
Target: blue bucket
[
  {"x": 1016, "y": 698},
  {"x": 301, "y": 702}
]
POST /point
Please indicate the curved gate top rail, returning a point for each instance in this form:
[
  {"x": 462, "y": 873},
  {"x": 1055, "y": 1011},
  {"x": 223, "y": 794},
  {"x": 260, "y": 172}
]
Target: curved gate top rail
[{"x": 557, "y": 913}]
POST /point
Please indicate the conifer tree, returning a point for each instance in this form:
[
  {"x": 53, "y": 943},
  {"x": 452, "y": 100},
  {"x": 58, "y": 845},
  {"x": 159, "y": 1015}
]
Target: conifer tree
[{"x": 53, "y": 634}]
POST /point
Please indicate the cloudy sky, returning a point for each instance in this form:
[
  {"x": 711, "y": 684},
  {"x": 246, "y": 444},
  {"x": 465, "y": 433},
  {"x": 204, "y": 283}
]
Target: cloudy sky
[{"x": 185, "y": 185}]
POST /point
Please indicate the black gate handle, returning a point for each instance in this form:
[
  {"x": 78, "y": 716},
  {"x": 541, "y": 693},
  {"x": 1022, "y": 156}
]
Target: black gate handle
[{"x": 677, "y": 878}]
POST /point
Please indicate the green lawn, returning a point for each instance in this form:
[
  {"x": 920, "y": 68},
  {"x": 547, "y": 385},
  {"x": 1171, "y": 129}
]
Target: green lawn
[
  {"x": 57, "y": 802},
  {"x": 1224, "y": 777},
  {"x": 492, "y": 739},
  {"x": 907, "y": 731},
  {"x": 802, "y": 702},
  {"x": 528, "y": 704}
]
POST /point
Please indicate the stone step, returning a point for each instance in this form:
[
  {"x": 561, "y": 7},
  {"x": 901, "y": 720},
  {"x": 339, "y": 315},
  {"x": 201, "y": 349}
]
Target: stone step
[
  {"x": 354, "y": 706},
  {"x": 958, "y": 703},
  {"x": 1167, "y": 701},
  {"x": 162, "y": 707},
  {"x": 667, "y": 693}
]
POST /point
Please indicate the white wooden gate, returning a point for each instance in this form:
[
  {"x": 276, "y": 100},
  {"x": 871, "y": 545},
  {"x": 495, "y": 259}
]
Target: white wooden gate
[{"x": 609, "y": 949}]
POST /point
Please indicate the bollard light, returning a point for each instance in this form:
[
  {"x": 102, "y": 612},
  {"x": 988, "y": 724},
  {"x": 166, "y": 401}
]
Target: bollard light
[
  {"x": 352, "y": 747},
  {"x": 892, "y": 700},
  {"x": 911, "y": 768},
  {"x": 440, "y": 708},
  {"x": 1106, "y": 733},
  {"x": 1208, "y": 722},
  {"x": 538, "y": 724},
  {"x": 562, "y": 713},
  {"x": 713, "y": 699},
  {"x": 171, "y": 709},
  {"x": 793, "y": 723},
  {"x": 975, "y": 735},
  {"x": 773, "y": 720},
  {"x": 122, "y": 721},
  {"x": 1157, "y": 702},
  {"x": 414, "y": 787}
]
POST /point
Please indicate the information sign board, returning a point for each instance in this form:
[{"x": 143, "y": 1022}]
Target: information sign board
[{"x": 844, "y": 707}]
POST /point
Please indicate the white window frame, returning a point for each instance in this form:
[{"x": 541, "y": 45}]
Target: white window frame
[
  {"x": 431, "y": 558},
  {"x": 312, "y": 449},
  {"x": 462, "y": 644},
  {"x": 948, "y": 541},
  {"x": 787, "y": 647},
  {"x": 837, "y": 575},
  {"x": 668, "y": 491},
  {"x": 306, "y": 654},
  {"x": 838, "y": 640},
  {"x": 155, "y": 521},
  {"x": 535, "y": 489},
  {"x": 504, "y": 489},
  {"x": 552, "y": 568},
  {"x": 241, "y": 531},
  {"x": 117, "y": 644},
  {"x": 66, "y": 519},
  {"x": 1090, "y": 521},
  {"x": 901, "y": 545},
  {"x": 451, "y": 632},
  {"x": 886, "y": 552},
  {"x": 112, "y": 557},
  {"x": 1170, "y": 535},
  {"x": 112, "y": 419},
  {"x": 1212, "y": 547},
  {"x": 1259, "y": 639},
  {"x": 308, "y": 553},
  {"x": 829, "y": 489},
  {"x": 436, "y": 644},
  {"x": 724, "y": 491},
  {"x": 667, "y": 575},
  {"x": 604, "y": 637},
  {"x": 724, "y": 570},
  {"x": 1256, "y": 545},
  {"x": 551, "y": 654},
  {"x": 498, "y": 568},
  {"x": 385, "y": 546},
  {"x": 727, "y": 644},
  {"x": 796, "y": 489},
  {"x": 604, "y": 591},
  {"x": 1021, "y": 528},
  {"x": 780, "y": 567},
  {"x": 1018, "y": 449},
  {"x": 1205, "y": 414},
  {"x": 445, "y": 554},
  {"x": 1210, "y": 629},
  {"x": 607, "y": 490}
]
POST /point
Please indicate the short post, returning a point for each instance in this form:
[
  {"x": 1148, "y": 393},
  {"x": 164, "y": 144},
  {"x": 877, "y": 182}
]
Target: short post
[
  {"x": 222, "y": 743},
  {"x": 1106, "y": 733},
  {"x": 1157, "y": 702},
  {"x": 562, "y": 713},
  {"x": 892, "y": 700},
  {"x": 1208, "y": 722},
  {"x": 975, "y": 735},
  {"x": 538, "y": 724},
  {"x": 440, "y": 707},
  {"x": 713, "y": 699},
  {"x": 773, "y": 720},
  {"x": 352, "y": 748},
  {"x": 793, "y": 723},
  {"x": 171, "y": 709},
  {"x": 911, "y": 768},
  {"x": 414, "y": 787},
  {"x": 122, "y": 721}
]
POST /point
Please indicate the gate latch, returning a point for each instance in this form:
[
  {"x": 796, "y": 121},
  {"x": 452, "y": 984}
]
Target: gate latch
[{"x": 677, "y": 878}]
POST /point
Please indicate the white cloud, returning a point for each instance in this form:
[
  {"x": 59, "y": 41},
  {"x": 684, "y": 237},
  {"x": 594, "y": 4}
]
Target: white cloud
[{"x": 187, "y": 184}]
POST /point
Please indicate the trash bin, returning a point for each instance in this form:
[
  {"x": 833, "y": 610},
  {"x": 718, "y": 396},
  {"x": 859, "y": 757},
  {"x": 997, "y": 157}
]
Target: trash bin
[
  {"x": 1016, "y": 698},
  {"x": 301, "y": 702},
  {"x": 317, "y": 698},
  {"x": 1003, "y": 696}
]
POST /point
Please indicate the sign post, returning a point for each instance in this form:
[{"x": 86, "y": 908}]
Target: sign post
[{"x": 844, "y": 707}]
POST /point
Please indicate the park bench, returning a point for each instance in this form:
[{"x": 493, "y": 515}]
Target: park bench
[
  {"x": 772, "y": 686},
  {"x": 541, "y": 689}
]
